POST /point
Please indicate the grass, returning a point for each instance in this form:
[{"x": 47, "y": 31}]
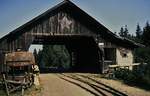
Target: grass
[
  {"x": 32, "y": 91},
  {"x": 2, "y": 93}
]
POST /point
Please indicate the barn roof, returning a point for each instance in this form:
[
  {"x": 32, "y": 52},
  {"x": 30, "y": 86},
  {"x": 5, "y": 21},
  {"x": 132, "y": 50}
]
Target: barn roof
[{"x": 84, "y": 18}]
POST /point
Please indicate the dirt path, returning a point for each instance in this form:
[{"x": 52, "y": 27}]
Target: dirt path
[
  {"x": 78, "y": 84},
  {"x": 54, "y": 86}
]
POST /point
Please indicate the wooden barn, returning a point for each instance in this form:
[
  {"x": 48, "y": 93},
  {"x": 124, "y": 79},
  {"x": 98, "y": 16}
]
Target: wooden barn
[{"x": 91, "y": 45}]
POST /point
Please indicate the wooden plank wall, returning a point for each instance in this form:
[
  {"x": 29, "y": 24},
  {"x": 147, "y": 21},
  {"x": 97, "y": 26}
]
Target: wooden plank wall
[{"x": 56, "y": 24}]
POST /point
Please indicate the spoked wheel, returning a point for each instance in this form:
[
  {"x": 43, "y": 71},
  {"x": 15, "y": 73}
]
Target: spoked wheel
[
  {"x": 29, "y": 81},
  {"x": 10, "y": 86}
]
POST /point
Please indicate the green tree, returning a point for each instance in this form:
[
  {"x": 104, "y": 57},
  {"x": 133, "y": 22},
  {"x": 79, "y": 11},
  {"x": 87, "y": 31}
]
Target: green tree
[
  {"x": 138, "y": 32},
  {"x": 121, "y": 33},
  {"x": 55, "y": 56},
  {"x": 146, "y": 34},
  {"x": 35, "y": 55},
  {"x": 39, "y": 58},
  {"x": 124, "y": 33}
]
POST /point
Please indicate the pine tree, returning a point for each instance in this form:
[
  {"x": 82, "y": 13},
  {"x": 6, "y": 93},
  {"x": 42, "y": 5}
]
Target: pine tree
[
  {"x": 121, "y": 33},
  {"x": 146, "y": 34},
  {"x": 54, "y": 56},
  {"x": 138, "y": 32},
  {"x": 35, "y": 55},
  {"x": 39, "y": 58},
  {"x": 126, "y": 33}
]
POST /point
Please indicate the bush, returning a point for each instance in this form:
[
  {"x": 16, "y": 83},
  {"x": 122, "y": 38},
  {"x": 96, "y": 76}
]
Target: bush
[
  {"x": 126, "y": 75},
  {"x": 136, "y": 77}
]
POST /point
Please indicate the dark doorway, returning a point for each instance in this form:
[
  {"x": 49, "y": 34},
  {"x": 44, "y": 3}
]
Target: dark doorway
[
  {"x": 83, "y": 50},
  {"x": 110, "y": 55}
]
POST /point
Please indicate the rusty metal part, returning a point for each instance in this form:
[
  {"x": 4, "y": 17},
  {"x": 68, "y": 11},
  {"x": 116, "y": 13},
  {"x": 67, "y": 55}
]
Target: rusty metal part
[{"x": 19, "y": 59}]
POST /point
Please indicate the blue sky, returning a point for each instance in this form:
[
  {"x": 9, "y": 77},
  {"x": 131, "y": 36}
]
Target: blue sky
[{"x": 111, "y": 13}]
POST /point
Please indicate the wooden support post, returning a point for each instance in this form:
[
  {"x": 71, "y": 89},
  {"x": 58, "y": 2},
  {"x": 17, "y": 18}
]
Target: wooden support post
[
  {"x": 22, "y": 87},
  {"x": 6, "y": 86},
  {"x": 103, "y": 59}
]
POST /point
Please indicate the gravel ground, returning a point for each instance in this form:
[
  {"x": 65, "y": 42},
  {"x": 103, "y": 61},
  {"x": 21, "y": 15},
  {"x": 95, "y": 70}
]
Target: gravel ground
[
  {"x": 120, "y": 86},
  {"x": 129, "y": 90},
  {"x": 53, "y": 85}
]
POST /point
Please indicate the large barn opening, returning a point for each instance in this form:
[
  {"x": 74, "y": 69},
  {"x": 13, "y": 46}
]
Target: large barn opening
[
  {"x": 51, "y": 58},
  {"x": 82, "y": 53}
]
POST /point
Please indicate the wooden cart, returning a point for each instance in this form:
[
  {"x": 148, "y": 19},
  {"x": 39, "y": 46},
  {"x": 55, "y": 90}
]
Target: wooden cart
[{"x": 19, "y": 75}]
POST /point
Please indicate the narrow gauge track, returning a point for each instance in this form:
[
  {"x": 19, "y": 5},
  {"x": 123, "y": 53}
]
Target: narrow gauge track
[
  {"x": 77, "y": 84},
  {"x": 102, "y": 89},
  {"x": 110, "y": 88}
]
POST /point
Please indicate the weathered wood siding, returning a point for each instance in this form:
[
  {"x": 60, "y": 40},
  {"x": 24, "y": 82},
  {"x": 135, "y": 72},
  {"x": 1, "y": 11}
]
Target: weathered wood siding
[{"x": 58, "y": 24}]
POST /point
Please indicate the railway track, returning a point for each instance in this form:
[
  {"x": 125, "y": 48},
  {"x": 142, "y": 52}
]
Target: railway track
[
  {"x": 94, "y": 87},
  {"x": 106, "y": 86}
]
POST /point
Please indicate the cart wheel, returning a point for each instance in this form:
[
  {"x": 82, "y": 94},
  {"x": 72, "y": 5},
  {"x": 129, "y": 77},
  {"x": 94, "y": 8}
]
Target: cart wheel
[
  {"x": 30, "y": 82},
  {"x": 10, "y": 86}
]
